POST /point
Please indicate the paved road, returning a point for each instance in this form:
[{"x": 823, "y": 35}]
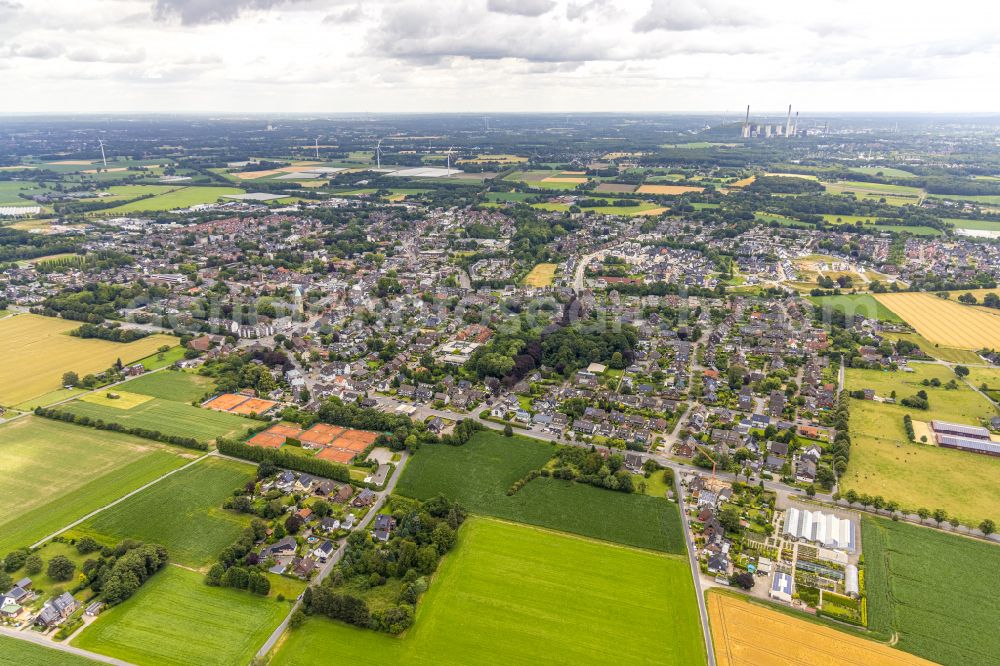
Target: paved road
[
  {"x": 39, "y": 639},
  {"x": 325, "y": 570},
  {"x": 696, "y": 574}
]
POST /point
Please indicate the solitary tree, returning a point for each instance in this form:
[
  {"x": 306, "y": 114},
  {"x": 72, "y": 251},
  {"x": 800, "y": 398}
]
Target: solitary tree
[{"x": 987, "y": 527}]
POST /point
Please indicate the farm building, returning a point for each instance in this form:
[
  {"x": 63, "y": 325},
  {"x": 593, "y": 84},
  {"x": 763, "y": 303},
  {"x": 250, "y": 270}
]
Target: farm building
[
  {"x": 825, "y": 529},
  {"x": 986, "y": 447},
  {"x": 781, "y": 587},
  {"x": 851, "y": 586},
  {"x": 959, "y": 430}
]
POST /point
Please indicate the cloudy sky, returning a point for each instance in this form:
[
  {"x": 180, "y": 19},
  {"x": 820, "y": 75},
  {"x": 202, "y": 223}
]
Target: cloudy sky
[{"x": 497, "y": 55}]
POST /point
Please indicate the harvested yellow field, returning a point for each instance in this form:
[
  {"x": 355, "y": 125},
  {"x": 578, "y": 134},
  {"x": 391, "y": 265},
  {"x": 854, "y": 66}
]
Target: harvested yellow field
[
  {"x": 541, "y": 275},
  {"x": 72, "y": 162},
  {"x": 121, "y": 399},
  {"x": 651, "y": 211},
  {"x": 40, "y": 349},
  {"x": 489, "y": 159},
  {"x": 944, "y": 322},
  {"x": 793, "y": 175},
  {"x": 668, "y": 189},
  {"x": 749, "y": 634},
  {"x": 743, "y": 182},
  {"x": 106, "y": 169},
  {"x": 563, "y": 179}
]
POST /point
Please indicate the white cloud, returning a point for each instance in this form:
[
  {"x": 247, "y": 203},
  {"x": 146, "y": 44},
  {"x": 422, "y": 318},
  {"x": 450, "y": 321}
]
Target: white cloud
[{"x": 502, "y": 55}]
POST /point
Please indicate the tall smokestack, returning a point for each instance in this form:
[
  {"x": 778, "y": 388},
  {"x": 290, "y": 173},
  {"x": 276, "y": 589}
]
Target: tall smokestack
[
  {"x": 746, "y": 124},
  {"x": 795, "y": 127},
  {"x": 788, "y": 122}
]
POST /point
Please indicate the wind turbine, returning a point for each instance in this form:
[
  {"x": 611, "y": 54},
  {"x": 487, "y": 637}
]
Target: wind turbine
[
  {"x": 317, "y": 148},
  {"x": 449, "y": 159},
  {"x": 378, "y": 154},
  {"x": 103, "y": 158}
]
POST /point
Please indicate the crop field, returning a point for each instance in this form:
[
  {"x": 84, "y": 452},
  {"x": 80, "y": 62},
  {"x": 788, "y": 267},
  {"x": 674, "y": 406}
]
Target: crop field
[
  {"x": 124, "y": 192},
  {"x": 541, "y": 275},
  {"x": 988, "y": 199},
  {"x": 668, "y": 189},
  {"x": 938, "y": 592},
  {"x": 615, "y": 188},
  {"x": 170, "y": 385},
  {"x": 888, "y": 172},
  {"x": 55, "y": 473},
  {"x": 44, "y": 351},
  {"x": 644, "y": 208},
  {"x": 975, "y": 225},
  {"x": 949, "y": 354},
  {"x": 183, "y": 512},
  {"x": 182, "y": 197},
  {"x": 17, "y": 652},
  {"x": 945, "y": 322},
  {"x": 176, "y": 619},
  {"x": 748, "y": 633},
  {"x": 115, "y": 399},
  {"x": 862, "y": 304},
  {"x": 479, "y": 473},
  {"x": 166, "y": 416},
  {"x": 865, "y": 190},
  {"x": 884, "y": 462},
  {"x": 518, "y": 595}
]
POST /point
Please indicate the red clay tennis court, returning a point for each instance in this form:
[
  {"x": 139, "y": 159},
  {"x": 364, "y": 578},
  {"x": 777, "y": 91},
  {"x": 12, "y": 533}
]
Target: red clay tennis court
[
  {"x": 253, "y": 406},
  {"x": 267, "y": 439},
  {"x": 335, "y": 455},
  {"x": 355, "y": 440},
  {"x": 226, "y": 401},
  {"x": 286, "y": 430},
  {"x": 321, "y": 434}
]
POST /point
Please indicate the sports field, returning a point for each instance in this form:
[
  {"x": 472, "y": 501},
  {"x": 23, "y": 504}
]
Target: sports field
[
  {"x": 182, "y": 197},
  {"x": 748, "y": 633},
  {"x": 479, "y": 473},
  {"x": 171, "y": 385},
  {"x": 176, "y": 619},
  {"x": 44, "y": 350},
  {"x": 938, "y": 592},
  {"x": 541, "y": 275},
  {"x": 54, "y": 473},
  {"x": 945, "y": 322},
  {"x": 513, "y": 594},
  {"x": 183, "y": 512},
  {"x": 166, "y": 416}
]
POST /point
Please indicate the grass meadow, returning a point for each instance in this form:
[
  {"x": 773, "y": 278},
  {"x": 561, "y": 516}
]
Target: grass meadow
[
  {"x": 479, "y": 473},
  {"x": 166, "y": 416},
  {"x": 541, "y": 275},
  {"x": 17, "y": 652},
  {"x": 938, "y": 592},
  {"x": 515, "y": 594},
  {"x": 183, "y": 512},
  {"x": 182, "y": 197},
  {"x": 176, "y": 619},
  {"x": 862, "y": 304},
  {"x": 44, "y": 351},
  {"x": 55, "y": 473},
  {"x": 171, "y": 385},
  {"x": 884, "y": 462}
]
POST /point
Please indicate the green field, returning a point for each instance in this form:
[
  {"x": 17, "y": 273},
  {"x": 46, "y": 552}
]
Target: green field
[
  {"x": 168, "y": 417},
  {"x": 155, "y": 362},
  {"x": 949, "y": 354},
  {"x": 176, "y": 619},
  {"x": 642, "y": 209},
  {"x": 49, "y": 398},
  {"x": 512, "y": 594},
  {"x": 888, "y": 172},
  {"x": 171, "y": 385},
  {"x": 55, "y": 473},
  {"x": 125, "y": 192},
  {"x": 939, "y": 593},
  {"x": 16, "y": 652},
  {"x": 976, "y": 225},
  {"x": 883, "y": 461},
  {"x": 182, "y": 197},
  {"x": 183, "y": 512},
  {"x": 479, "y": 473},
  {"x": 860, "y": 304},
  {"x": 988, "y": 199}
]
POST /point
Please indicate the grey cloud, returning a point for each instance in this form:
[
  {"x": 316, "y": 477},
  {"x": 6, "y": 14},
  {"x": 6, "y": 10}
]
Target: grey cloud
[
  {"x": 10, "y": 5},
  {"x": 578, "y": 10},
  {"x": 195, "y": 12},
  {"x": 521, "y": 7},
  {"x": 345, "y": 16},
  {"x": 683, "y": 15},
  {"x": 36, "y": 51}
]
